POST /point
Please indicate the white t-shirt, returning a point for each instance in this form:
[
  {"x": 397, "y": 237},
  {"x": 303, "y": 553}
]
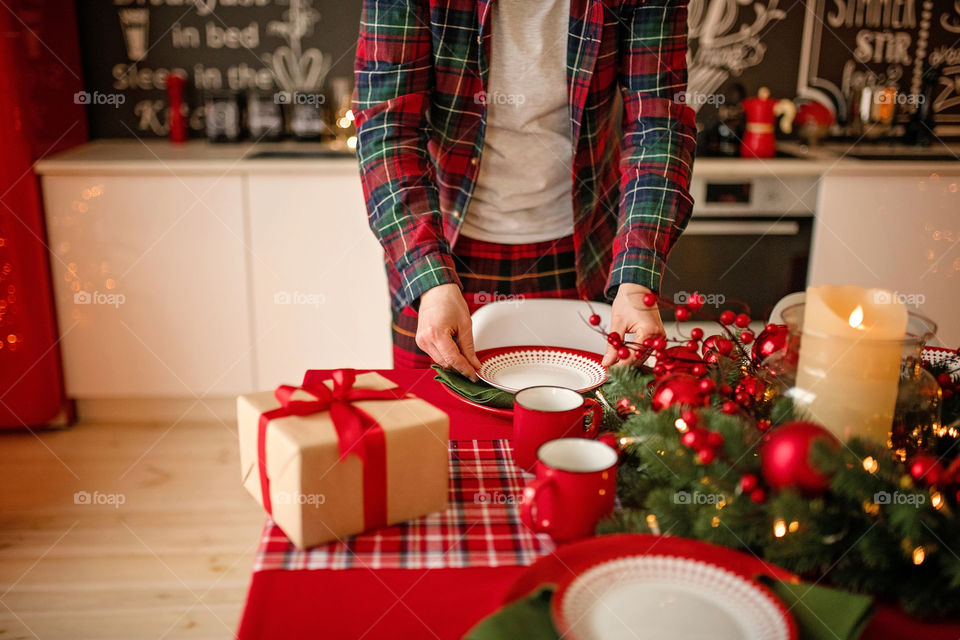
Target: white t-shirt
[{"x": 524, "y": 188}]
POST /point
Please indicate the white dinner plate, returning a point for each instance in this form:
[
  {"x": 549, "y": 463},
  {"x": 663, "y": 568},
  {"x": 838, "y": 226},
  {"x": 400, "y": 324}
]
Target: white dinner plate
[
  {"x": 515, "y": 368},
  {"x": 667, "y": 597}
]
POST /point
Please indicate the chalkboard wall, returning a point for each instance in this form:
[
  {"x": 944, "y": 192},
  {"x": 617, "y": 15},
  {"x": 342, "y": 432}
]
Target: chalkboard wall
[{"x": 818, "y": 48}]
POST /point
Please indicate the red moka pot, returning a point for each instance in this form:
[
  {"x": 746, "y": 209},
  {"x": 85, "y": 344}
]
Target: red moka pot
[{"x": 762, "y": 111}]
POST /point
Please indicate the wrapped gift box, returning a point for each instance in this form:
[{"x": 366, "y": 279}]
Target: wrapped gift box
[{"x": 315, "y": 493}]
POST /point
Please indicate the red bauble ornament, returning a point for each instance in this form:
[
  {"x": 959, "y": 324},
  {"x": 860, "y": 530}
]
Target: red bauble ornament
[
  {"x": 680, "y": 359},
  {"x": 677, "y": 389},
  {"x": 594, "y": 319},
  {"x": 724, "y": 346},
  {"x": 714, "y": 439},
  {"x": 748, "y": 482},
  {"x": 742, "y": 320},
  {"x": 771, "y": 340},
  {"x": 682, "y": 314},
  {"x": 691, "y": 439},
  {"x": 785, "y": 457},
  {"x": 710, "y": 344},
  {"x": 706, "y": 455},
  {"x": 926, "y": 470},
  {"x": 729, "y": 408},
  {"x": 649, "y": 299},
  {"x": 707, "y": 386}
]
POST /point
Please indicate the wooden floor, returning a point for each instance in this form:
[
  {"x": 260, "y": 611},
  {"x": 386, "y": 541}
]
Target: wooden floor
[{"x": 172, "y": 561}]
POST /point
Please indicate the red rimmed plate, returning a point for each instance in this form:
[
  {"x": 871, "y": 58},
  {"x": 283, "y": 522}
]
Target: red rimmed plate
[
  {"x": 507, "y": 414},
  {"x": 515, "y": 368},
  {"x": 604, "y": 582}
]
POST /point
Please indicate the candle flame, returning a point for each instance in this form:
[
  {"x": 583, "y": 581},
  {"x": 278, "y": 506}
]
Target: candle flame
[{"x": 856, "y": 317}]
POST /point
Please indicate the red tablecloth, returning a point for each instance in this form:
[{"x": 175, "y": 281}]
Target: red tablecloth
[{"x": 438, "y": 603}]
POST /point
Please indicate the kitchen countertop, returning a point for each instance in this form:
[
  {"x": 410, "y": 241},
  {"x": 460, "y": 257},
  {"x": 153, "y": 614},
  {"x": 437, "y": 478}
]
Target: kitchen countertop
[{"x": 159, "y": 157}]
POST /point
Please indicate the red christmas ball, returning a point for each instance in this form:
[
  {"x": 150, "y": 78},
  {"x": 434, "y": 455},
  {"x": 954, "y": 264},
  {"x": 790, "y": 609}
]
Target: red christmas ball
[
  {"x": 748, "y": 482},
  {"x": 724, "y": 346},
  {"x": 677, "y": 389},
  {"x": 691, "y": 439},
  {"x": 714, "y": 439},
  {"x": 729, "y": 408},
  {"x": 707, "y": 385},
  {"x": 710, "y": 345},
  {"x": 771, "y": 340},
  {"x": 680, "y": 359},
  {"x": 785, "y": 457},
  {"x": 925, "y": 469},
  {"x": 699, "y": 370},
  {"x": 706, "y": 455}
]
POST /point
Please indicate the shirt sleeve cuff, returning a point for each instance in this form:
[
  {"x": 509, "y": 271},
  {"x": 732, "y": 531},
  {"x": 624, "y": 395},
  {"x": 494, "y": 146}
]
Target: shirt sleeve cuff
[
  {"x": 636, "y": 266},
  {"x": 427, "y": 272}
]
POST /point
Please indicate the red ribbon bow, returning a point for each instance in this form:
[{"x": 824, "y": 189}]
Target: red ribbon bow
[{"x": 357, "y": 433}]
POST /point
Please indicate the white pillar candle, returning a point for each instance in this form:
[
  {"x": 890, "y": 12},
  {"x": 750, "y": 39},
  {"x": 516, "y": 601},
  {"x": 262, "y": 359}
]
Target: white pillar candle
[{"x": 849, "y": 363}]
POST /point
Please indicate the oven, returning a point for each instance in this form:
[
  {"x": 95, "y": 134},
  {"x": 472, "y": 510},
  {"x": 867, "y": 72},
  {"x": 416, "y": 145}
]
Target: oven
[{"x": 746, "y": 245}]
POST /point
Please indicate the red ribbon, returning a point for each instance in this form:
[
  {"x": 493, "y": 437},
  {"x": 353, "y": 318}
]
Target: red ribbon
[{"x": 357, "y": 433}]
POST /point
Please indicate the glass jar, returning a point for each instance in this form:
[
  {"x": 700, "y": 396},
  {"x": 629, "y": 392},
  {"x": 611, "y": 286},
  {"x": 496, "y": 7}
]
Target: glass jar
[{"x": 914, "y": 412}]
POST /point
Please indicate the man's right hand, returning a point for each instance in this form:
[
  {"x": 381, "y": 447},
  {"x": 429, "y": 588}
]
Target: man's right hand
[{"x": 445, "y": 331}]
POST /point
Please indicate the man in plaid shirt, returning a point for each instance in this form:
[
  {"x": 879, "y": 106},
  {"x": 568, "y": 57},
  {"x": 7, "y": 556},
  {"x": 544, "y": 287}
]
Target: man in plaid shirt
[{"x": 521, "y": 148}]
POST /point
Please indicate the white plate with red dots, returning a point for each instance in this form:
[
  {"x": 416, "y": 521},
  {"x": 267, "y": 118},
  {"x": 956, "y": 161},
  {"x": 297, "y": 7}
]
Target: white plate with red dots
[
  {"x": 662, "y": 596},
  {"x": 515, "y": 368}
]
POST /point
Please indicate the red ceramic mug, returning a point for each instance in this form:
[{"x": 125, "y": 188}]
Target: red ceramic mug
[
  {"x": 547, "y": 413},
  {"x": 575, "y": 487}
]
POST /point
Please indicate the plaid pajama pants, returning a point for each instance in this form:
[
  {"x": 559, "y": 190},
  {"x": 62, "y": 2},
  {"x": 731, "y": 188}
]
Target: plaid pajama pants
[{"x": 491, "y": 272}]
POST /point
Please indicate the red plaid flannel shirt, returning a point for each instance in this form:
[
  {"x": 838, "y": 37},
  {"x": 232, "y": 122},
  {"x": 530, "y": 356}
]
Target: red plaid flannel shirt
[{"x": 421, "y": 70}]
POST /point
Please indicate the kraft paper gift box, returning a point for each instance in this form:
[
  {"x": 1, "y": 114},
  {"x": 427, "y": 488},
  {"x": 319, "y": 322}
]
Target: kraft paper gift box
[{"x": 314, "y": 494}]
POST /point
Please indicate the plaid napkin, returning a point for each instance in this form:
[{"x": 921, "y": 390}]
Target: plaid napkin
[
  {"x": 821, "y": 613},
  {"x": 480, "y": 528},
  {"x": 479, "y": 392}
]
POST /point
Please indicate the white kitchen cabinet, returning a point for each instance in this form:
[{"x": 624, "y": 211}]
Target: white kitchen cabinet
[
  {"x": 151, "y": 284},
  {"x": 896, "y": 232},
  {"x": 319, "y": 289}
]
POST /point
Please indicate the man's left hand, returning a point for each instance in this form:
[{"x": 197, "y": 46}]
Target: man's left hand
[{"x": 630, "y": 315}]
